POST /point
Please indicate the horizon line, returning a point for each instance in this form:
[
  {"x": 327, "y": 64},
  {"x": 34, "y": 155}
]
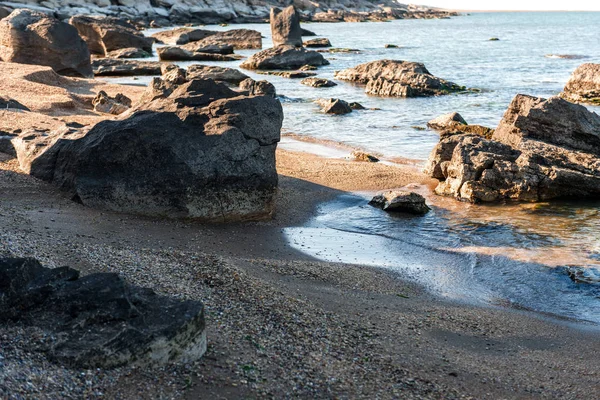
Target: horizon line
[{"x": 515, "y": 11}]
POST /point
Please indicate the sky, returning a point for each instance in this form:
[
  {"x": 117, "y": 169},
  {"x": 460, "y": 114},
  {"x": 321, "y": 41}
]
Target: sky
[{"x": 574, "y": 5}]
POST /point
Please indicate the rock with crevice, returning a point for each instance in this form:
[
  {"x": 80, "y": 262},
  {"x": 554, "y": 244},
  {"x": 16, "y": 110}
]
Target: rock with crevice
[
  {"x": 401, "y": 201},
  {"x": 284, "y": 57},
  {"x": 584, "y": 85},
  {"x": 99, "y": 320}
]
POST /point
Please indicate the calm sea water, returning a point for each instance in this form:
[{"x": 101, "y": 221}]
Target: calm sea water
[{"x": 515, "y": 255}]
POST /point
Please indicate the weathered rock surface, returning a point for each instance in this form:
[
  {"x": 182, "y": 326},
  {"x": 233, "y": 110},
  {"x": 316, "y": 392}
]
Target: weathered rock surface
[
  {"x": 400, "y": 201},
  {"x": 334, "y": 106},
  {"x": 180, "y": 36},
  {"x": 237, "y": 38},
  {"x": 289, "y": 74},
  {"x": 284, "y": 57},
  {"x": 129, "y": 52},
  {"x": 584, "y": 85},
  {"x": 542, "y": 149},
  {"x": 106, "y": 34},
  {"x": 99, "y": 320},
  {"x": 285, "y": 27},
  {"x": 218, "y": 74},
  {"x": 318, "y": 42},
  {"x": 111, "y": 105},
  {"x": 258, "y": 88},
  {"x": 119, "y": 67},
  {"x": 30, "y": 37},
  {"x": 200, "y": 47},
  {"x": 195, "y": 149},
  {"x": 175, "y": 53},
  {"x": 446, "y": 121},
  {"x": 318, "y": 82},
  {"x": 364, "y": 157},
  {"x": 307, "y": 33},
  {"x": 397, "y": 78}
]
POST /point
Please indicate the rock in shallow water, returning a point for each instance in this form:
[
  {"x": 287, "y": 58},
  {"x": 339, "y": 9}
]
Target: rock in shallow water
[
  {"x": 285, "y": 27},
  {"x": 284, "y": 57},
  {"x": 401, "y": 201},
  {"x": 99, "y": 320}
]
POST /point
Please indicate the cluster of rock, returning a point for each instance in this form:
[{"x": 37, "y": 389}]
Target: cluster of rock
[
  {"x": 584, "y": 85},
  {"x": 178, "y": 12},
  {"x": 99, "y": 320},
  {"x": 287, "y": 52},
  {"x": 541, "y": 150},
  {"x": 397, "y": 78}
]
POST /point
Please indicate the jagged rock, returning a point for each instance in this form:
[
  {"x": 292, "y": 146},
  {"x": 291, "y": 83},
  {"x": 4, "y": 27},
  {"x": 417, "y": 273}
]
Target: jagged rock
[
  {"x": 130, "y": 52},
  {"x": 99, "y": 320},
  {"x": 8, "y": 103},
  {"x": 334, "y": 106},
  {"x": 400, "y": 201},
  {"x": 258, "y": 88},
  {"x": 285, "y": 27},
  {"x": 318, "y": 82},
  {"x": 119, "y": 67},
  {"x": 541, "y": 150},
  {"x": 284, "y": 57},
  {"x": 584, "y": 85},
  {"x": 397, "y": 78},
  {"x": 31, "y": 37},
  {"x": 319, "y": 42},
  {"x": 446, "y": 121},
  {"x": 477, "y": 130},
  {"x": 194, "y": 150},
  {"x": 106, "y": 34},
  {"x": 219, "y": 74},
  {"x": 174, "y": 53},
  {"x": 111, "y": 105}
]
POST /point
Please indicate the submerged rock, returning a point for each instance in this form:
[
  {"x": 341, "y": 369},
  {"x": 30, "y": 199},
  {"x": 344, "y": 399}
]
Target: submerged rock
[
  {"x": 118, "y": 67},
  {"x": 318, "y": 82},
  {"x": 111, "y": 105},
  {"x": 285, "y": 27},
  {"x": 99, "y": 320},
  {"x": 541, "y": 150},
  {"x": 400, "y": 201},
  {"x": 584, "y": 85},
  {"x": 397, "y": 78},
  {"x": 284, "y": 57},
  {"x": 31, "y": 37}
]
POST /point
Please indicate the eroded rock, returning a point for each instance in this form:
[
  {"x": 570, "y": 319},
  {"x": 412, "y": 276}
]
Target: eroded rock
[
  {"x": 284, "y": 57},
  {"x": 400, "y": 201},
  {"x": 584, "y": 85},
  {"x": 446, "y": 121},
  {"x": 175, "y": 53},
  {"x": 334, "y": 106},
  {"x": 318, "y": 82},
  {"x": 119, "y": 67},
  {"x": 219, "y": 74},
  {"x": 285, "y": 27},
  {"x": 103, "y": 103},
  {"x": 258, "y": 88}
]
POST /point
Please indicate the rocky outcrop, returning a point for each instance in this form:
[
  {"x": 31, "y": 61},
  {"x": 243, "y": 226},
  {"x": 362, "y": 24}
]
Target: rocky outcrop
[
  {"x": 218, "y": 74},
  {"x": 103, "y": 103},
  {"x": 446, "y": 121},
  {"x": 117, "y": 67},
  {"x": 175, "y": 53},
  {"x": 258, "y": 88},
  {"x": 584, "y": 85},
  {"x": 317, "y": 43},
  {"x": 542, "y": 149},
  {"x": 285, "y": 27},
  {"x": 400, "y": 201},
  {"x": 398, "y": 79},
  {"x": 193, "y": 149},
  {"x": 30, "y": 37},
  {"x": 284, "y": 57},
  {"x": 334, "y": 106},
  {"x": 99, "y": 320},
  {"x": 106, "y": 34},
  {"x": 318, "y": 82}
]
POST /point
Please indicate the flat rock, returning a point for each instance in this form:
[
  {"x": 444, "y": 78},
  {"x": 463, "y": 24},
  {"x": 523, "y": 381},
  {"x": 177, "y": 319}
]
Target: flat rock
[
  {"x": 239, "y": 39},
  {"x": 318, "y": 82},
  {"x": 180, "y": 36},
  {"x": 218, "y": 74},
  {"x": 318, "y": 42},
  {"x": 288, "y": 74},
  {"x": 284, "y": 57},
  {"x": 99, "y": 320},
  {"x": 584, "y": 85},
  {"x": 400, "y": 201},
  {"x": 129, "y": 52},
  {"x": 119, "y": 67},
  {"x": 175, "y": 53},
  {"x": 285, "y": 27},
  {"x": 31, "y": 37}
]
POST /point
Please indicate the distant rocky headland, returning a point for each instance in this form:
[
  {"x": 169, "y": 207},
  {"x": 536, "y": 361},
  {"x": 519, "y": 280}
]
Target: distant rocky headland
[{"x": 173, "y": 12}]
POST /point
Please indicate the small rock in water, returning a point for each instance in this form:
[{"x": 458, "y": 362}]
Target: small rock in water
[
  {"x": 401, "y": 201},
  {"x": 334, "y": 106},
  {"x": 494, "y": 39},
  {"x": 318, "y": 82},
  {"x": 357, "y": 106},
  {"x": 319, "y": 42},
  {"x": 391, "y": 46},
  {"x": 446, "y": 121},
  {"x": 362, "y": 156}
]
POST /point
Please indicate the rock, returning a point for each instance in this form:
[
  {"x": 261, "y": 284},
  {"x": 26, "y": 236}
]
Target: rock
[
  {"x": 237, "y": 38},
  {"x": 307, "y": 68},
  {"x": 446, "y": 121},
  {"x": 318, "y": 82},
  {"x": 584, "y": 85},
  {"x": 194, "y": 150},
  {"x": 219, "y": 74},
  {"x": 31, "y": 37},
  {"x": 458, "y": 129},
  {"x": 258, "y": 88},
  {"x": 494, "y": 39},
  {"x": 130, "y": 52},
  {"x": 200, "y": 47},
  {"x": 585, "y": 275},
  {"x": 356, "y": 106},
  {"x": 180, "y": 36},
  {"x": 289, "y": 74},
  {"x": 306, "y": 32},
  {"x": 340, "y": 50},
  {"x": 319, "y": 42},
  {"x": 397, "y": 78},
  {"x": 365, "y": 157},
  {"x": 103, "y": 103},
  {"x": 285, "y": 27},
  {"x": 541, "y": 150},
  {"x": 334, "y": 106},
  {"x": 391, "y": 46},
  {"x": 284, "y": 57},
  {"x": 174, "y": 53},
  {"x": 401, "y": 201},
  {"x": 566, "y": 56},
  {"x": 99, "y": 320},
  {"x": 118, "y": 67},
  {"x": 8, "y": 104},
  {"x": 106, "y": 34}
]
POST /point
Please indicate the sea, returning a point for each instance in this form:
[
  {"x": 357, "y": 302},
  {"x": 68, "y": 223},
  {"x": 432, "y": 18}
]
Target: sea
[{"x": 542, "y": 258}]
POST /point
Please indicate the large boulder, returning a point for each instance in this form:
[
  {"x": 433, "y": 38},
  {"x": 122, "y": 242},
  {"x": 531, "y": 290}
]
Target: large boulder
[
  {"x": 584, "y": 85},
  {"x": 218, "y": 74},
  {"x": 397, "y": 78},
  {"x": 99, "y": 320},
  {"x": 284, "y": 57},
  {"x": 285, "y": 27},
  {"x": 31, "y": 37},
  {"x": 542, "y": 149},
  {"x": 106, "y": 34},
  {"x": 193, "y": 149}
]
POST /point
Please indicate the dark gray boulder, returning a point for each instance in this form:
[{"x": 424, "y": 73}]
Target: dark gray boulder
[
  {"x": 285, "y": 27},
  {"x": 400, "y": 201},
  {"x": 31, "y": 37},
  {"x": 99, "y": 320},
  {"x": 7, "y": 103},
  {"x": 284, "y": 57}
]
